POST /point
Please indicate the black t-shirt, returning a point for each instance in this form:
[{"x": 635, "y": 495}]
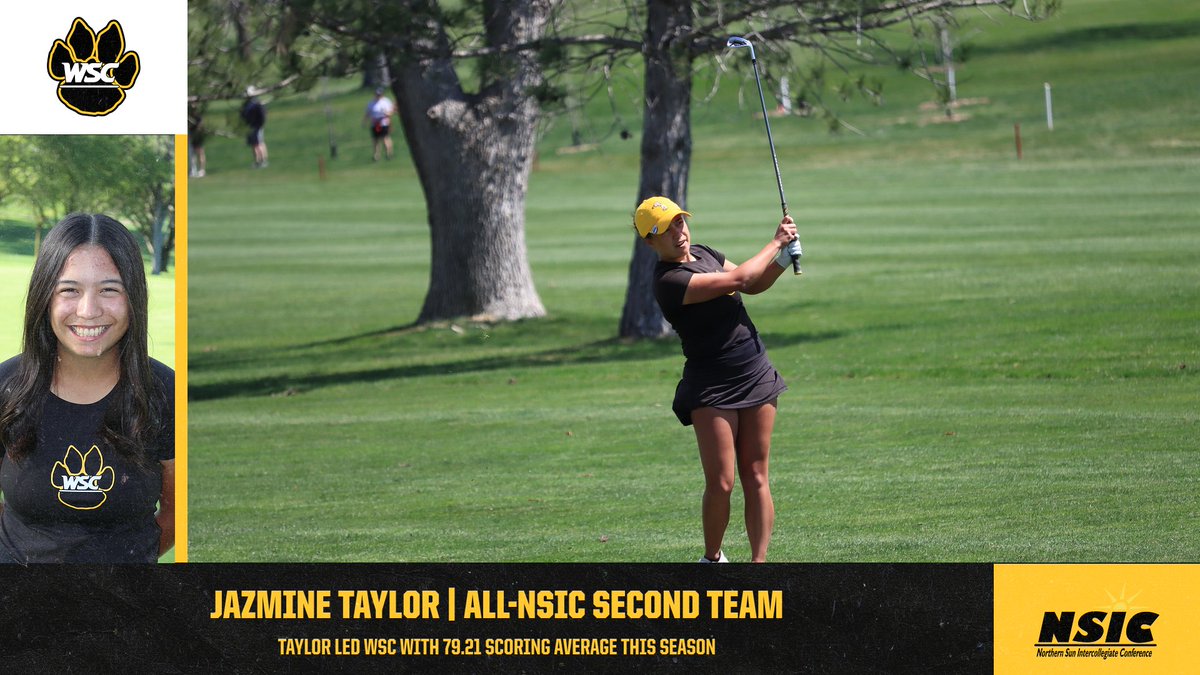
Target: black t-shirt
[
  {"x": 76, "y": 499},
  {"x": 706, "y": 329}
]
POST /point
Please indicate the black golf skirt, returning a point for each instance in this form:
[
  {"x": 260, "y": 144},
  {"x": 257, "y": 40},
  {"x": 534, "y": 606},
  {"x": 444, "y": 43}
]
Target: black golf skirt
[{"x": 743, "y": 377}]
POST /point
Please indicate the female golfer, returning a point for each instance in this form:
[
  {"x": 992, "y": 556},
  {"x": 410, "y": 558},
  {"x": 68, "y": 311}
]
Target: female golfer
[
  {"x": 86, "y": 416},
  {"x": 729, "y": 386}
]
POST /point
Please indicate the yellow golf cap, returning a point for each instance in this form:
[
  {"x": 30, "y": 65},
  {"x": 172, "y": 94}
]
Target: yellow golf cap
[{"x": 654, "y": 216}]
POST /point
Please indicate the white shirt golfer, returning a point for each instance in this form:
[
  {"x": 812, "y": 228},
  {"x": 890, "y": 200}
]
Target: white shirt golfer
[
  {"x": 379, "y": 117},
  {"x": 380, "y": 111}
]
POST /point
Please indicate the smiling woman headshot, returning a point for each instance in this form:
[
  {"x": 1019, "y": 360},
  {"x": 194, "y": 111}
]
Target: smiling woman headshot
[{"x": 86, "y": 416}]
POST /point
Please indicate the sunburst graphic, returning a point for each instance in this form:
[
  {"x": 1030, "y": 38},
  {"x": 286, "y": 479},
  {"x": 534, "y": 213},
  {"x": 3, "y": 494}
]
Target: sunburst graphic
[{"x": 1123, "y": 603}]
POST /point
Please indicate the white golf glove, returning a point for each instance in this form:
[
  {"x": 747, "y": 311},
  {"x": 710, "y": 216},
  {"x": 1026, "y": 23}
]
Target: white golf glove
[{"x": 784, "y": 259}]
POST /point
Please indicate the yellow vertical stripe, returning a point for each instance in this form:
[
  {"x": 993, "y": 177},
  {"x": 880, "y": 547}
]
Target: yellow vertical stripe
[{"x": 181, "y": 363}]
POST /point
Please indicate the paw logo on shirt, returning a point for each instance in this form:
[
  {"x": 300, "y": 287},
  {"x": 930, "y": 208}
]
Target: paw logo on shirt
[
  {"x": 93, "y": 70},
  {"x": 82, "y": 480}
]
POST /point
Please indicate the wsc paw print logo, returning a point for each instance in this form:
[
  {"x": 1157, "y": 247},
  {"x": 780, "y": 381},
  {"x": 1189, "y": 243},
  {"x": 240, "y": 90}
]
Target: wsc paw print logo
[
  {"x": 93, "y": 70},
  {"x": 82, "y": 480}
]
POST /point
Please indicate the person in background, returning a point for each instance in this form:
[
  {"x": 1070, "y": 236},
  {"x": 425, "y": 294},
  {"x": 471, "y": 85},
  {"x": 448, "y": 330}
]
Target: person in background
[
  {"x": 197, "y": 134},
  {"x": 378, "y": 117},
  {"x": 254, "y": 114}
]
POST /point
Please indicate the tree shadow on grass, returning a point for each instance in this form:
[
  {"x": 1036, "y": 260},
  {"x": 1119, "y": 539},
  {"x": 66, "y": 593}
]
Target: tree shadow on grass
[
  {"x": 16, "y": 238},
  {"x": 611, "y": 350},
  {"x": 1095, "y": 36}
]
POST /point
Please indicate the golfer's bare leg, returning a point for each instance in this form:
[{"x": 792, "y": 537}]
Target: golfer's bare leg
[
  {"x": 753, "y": 457},
  {"x": 715, "y": 434}
]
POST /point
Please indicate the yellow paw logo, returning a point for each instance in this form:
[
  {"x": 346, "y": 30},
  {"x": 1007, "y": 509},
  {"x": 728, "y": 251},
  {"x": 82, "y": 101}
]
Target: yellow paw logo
[
  {"x": 82, "y": 480},
  {"x": 93, "y": 70}
]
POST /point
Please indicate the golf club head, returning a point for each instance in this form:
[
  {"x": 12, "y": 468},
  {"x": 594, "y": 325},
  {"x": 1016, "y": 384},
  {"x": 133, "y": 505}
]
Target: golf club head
[{"x": 735, "y": 42}]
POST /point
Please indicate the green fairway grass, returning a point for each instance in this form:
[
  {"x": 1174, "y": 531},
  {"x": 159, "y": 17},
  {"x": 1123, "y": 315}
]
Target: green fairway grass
[{"x": 990, "y": 359}]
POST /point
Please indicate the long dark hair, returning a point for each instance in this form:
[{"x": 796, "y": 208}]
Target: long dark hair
[{"x": 135, "y": 417}]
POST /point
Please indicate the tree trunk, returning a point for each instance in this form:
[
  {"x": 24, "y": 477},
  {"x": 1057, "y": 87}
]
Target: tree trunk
[
  {"x": 666, "y": 150},
  {"x": 169, "y": 242},
  {"x": 376, "y": 73},
  {"x": 473, "y": 154},
  {"x": 157, "y": 242}
]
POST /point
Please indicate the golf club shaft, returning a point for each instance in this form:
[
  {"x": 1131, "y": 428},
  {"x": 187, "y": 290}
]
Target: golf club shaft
[{"x": 794, "y": 247}]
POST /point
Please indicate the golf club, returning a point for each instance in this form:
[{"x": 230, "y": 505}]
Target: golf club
[{"x": 794, "y": 247}]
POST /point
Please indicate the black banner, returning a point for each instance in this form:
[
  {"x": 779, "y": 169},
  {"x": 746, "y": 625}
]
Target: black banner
[{"x": 363, "y": 618}]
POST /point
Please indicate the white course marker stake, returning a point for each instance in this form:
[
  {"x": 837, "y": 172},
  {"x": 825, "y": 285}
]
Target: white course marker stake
[{"x": 1049, "y": 109}]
